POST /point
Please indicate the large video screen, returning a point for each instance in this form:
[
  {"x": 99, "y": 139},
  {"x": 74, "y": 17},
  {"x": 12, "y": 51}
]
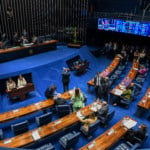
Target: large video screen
[{"x": 119, "y": 25}]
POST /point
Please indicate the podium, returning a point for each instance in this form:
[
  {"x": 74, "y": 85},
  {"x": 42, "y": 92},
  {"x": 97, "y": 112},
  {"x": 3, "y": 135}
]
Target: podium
[{"x": 21, "y": 92}]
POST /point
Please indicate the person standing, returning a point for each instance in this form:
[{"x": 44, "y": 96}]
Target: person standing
[
  {"x": 66, "y": 79},
  {"x": 106, "y": 86},
  {"x": 77, "y": 100},
  {"x": 98, "y": 85}
]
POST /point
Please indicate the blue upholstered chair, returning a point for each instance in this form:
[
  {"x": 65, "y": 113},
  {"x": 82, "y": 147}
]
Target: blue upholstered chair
[
  {"x": 139, "y": 80},
  {"x": 20, "y": 128},
  {"x": 48, "y": 146},
  {"x": 92, "y": 128},
  {"x": 44, "y": 119},
  {"x": 1, "y": 134},
  {"x": 63, "y": 110},
  {"x": 69, "y": 140},
  {"x": 104, "y": 120},
  {"x": 125, "y": 102}
]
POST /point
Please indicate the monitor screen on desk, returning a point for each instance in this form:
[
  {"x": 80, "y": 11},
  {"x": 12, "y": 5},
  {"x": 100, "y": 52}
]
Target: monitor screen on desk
[{"x": 124, "y": 26}]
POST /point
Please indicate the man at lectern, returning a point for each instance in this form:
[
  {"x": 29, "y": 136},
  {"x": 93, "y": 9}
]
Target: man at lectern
[{"x": 21, "y": 81}]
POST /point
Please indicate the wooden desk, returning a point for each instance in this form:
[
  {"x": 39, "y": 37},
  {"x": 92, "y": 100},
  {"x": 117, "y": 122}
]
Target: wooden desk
[
  {"x": 117, "y": 91},
  {"x": 108, "y": 138},
  {"x": 74, "y": 45},
  {"x": 21, "y": 92},
  {"x": 144, "y": 104},
  {"x": 113, "y": 65},
  {"x": 46, "y": 130},
  {"x": 18, "y": 52},
  {"x": 13, "y": 114}
]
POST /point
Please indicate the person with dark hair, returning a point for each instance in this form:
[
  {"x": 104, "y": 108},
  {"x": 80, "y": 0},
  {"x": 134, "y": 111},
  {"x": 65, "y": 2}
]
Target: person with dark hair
[
  {"x": 10, "y": 84},
  {"x": 15, "y": 39},
  {"x": 50, "y": 91},
  {"x": 106, "y": 86},
  {"x": 134, "y": 135},
  {"x": 66, "y": 78},
  {"x": 127, "y": 94},
  {"x": 103, "y": 111},
  {"x": 77, "y": 100},
  {"x": 98, "y": 85},
  {"x": 25, "y": 33},
  {"x": 34, "y": 39},
  {"x": 4, "y": 40}
]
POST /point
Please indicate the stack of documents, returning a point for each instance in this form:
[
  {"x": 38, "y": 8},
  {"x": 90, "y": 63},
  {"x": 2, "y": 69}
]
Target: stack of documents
[
  {"x": 35, "y": 135},
  {"x": 129, "y": 123},
  {"x": 79, "y": 115}
]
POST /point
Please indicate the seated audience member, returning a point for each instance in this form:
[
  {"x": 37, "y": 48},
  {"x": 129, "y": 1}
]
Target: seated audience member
[
  {"x": 25, "y": 33},
  {"x": 142, "y": 71},
  {"x": 51, "y": 91},
  {"x": 23, "y": 40},
  {"x": 34, "y": 39},
  {"x": 10, "y": 84},
  {"x": 21, "y": 81},
  {"x": 15, "y": 39},
  {"x": 140, "y": 134},
  {"x": 142, "y": 56},
  {"x": 77, "y": 100},
  {"x": 86, "y": 122},
  {"x": 4, "y": 40},
  {"x": 103, "y": 111},
  {"x": 127, "y": 94}
]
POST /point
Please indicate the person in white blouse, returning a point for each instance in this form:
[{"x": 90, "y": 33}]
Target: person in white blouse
[
  {"x": 10, "y": 84},
  {"x": 21, "y": 81}
]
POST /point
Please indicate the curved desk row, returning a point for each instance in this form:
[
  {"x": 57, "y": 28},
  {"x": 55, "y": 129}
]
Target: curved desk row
[
  {"x": 113, "y": 65},
  {"x": 52, "y": 128},
  {"x": 18, "y": 52},
  {"x": 127, "y": 80},
  {"x": 16, "y": 113},
  {"x": 111, "y": 136},
  {"x": 144, "y": 104}
]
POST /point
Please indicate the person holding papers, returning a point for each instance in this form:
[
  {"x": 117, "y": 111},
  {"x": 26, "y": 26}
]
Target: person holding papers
[
  {"x": 86, "y": 122},
  {"x": 21, "y": 81},
  {"x": 77, "y": 100}
]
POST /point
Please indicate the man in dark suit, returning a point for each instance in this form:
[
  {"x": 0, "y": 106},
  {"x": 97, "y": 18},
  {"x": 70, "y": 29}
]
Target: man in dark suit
[
  {"x": 66, "y": 79},
  {"x": 50, "y": 91},
  {"x": 106, "y": 86},
  {"x": 103, "y": 111}
]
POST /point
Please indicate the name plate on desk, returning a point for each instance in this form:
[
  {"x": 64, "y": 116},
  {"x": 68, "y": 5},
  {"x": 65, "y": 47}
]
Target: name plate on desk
[
  {"x": 91, "y": 145},
  {"x": 7, "y": 141},
  {"x": 35, "y": 135},
  {"x": 57, "y": 122}
]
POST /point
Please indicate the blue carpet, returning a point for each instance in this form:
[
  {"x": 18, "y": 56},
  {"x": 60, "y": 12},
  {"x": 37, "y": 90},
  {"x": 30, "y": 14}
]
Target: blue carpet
[{"x": 46, "y": 69}]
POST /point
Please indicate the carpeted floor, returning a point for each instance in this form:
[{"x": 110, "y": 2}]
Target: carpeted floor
[{"x": 46, "y": 69}]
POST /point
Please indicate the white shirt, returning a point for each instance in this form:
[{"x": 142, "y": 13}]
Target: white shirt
[{"x": 21, "y": 82}]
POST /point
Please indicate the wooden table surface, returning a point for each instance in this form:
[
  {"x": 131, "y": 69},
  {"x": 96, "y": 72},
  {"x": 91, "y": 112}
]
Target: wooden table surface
[
  {"x": 18, "y": 48},
  {"x": 10, "y": 115},
  {"x": 127, "y": 80},
  {"x": 113, "y": 65},
  {"x": 46, "y": 130},
  {"x": 145, "y": 101},
  {"x": 108, "y": 138}
]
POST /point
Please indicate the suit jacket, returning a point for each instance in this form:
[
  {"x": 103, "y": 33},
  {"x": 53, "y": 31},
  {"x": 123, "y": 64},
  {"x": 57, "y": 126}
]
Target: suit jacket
[{"x": 103, "y": 111}]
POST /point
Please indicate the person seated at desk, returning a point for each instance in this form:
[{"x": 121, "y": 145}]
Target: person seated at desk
[
  {"x": 140, "y": 133},
  {"x": 34, "y": 39},
  {"x": 127, "y": 94},
  {"x": 3, "y": 41},
  {"x": 21, "y": 81},
  {"x": 15, "y": 39},
  {"x": 10, "y": 84},
  {"x": 51, "y": 91},
  {"x": 23, "y": 40},
  {"x": 142, "y": 70},
  {"x": 103, "y": 111},
  {"x": 91, "y": 119},
  {"x": 77, "y": 100}
]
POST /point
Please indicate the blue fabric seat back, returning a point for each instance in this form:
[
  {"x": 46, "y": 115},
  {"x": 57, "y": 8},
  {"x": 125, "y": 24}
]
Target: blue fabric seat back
[
  {"x": 20, "y": 128},
  {"x": 44, "y": 119},
  {"x": 63, "y": 110},
  {"x": 1, "y": 134}
]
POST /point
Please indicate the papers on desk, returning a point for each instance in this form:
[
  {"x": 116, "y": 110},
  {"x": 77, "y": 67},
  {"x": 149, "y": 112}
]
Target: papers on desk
[
  {"x": 111, "y": 131},
  {"x": 35, "y": 135},
  {"x": 95, "y": 107},
  {"x": 129, "y": 123},
  {"x": 57, "y": 122},
  {"x": 71, "y": 92},
  {"x": 7, "y": 141},
  {"x": 118, "y": 92},
  {"x": 91, "y": 145},
  {"x": 135, "y": 68},
  {"x": 79, "y": 115},
  {"x": 16, "y": 110},
  {"x": 28, "y": 45}
]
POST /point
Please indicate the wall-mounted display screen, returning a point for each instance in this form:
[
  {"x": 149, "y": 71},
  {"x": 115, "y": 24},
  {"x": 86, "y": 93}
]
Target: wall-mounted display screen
[{"x": 119, "y": 25}]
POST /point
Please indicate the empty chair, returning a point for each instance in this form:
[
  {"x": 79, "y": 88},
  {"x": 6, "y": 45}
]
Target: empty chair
[
  {"x": 125, "y": 102},
  {"x": 20, "y": 128},
  {"x": 48, "y": 146},
  {"x": 63, "y": 110},
  {"x": 69, "y": 140},
  {"x": 139, "y": 80},
  {"x": 92, "y": 128},
  {"x": 1, "y": 134},
  {"x": 104, "y": 120},
  {"x": 44, "y": 119},
  {"x": 127, "y": 146},
  {"x": 118, "y": 72}
]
